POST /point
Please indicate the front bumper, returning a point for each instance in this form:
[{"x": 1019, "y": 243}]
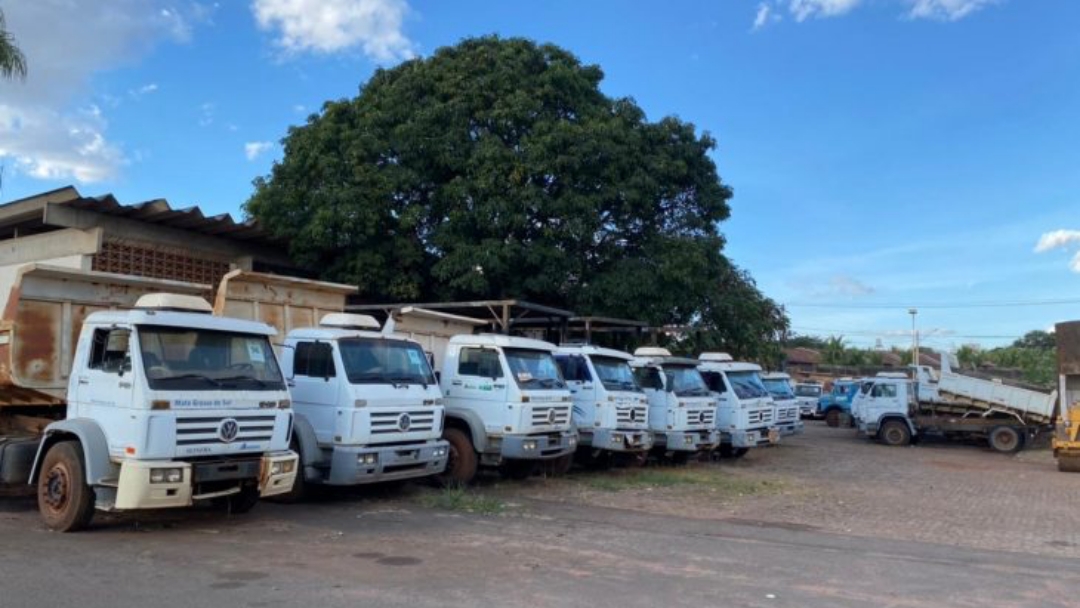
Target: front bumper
[
  {"x": 274, "y": 473},
  {"x": 791, "y": 428},
  {"x": 355, "y": 465},
  {"x": 615, "y": 440},
  {"x": 687, "y": 441},
  {"x": 543, "y": 446},
  {"x": 751, "y": 438}
]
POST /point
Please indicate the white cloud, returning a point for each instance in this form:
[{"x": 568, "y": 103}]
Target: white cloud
[
  {"x": 1061, "y": 239},
  {"x": 329, "y": 26},
  {"x": 46, "y": 123},
  {"x": 255, "y": 149},
  {"x": 805, "y": 9},
  {"x": 945, "y": 10},
  {"x": 764, "y": 16},
  {"x": 140, "y": 92},
  {"x": 206, "y": 114}
]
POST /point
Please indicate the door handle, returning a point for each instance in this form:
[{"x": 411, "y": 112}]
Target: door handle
[
  {"x": 291, "y": 383},
  {"x": 84, "y": 381}
]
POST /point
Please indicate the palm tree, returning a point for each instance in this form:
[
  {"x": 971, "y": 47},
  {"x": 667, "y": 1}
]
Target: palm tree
[
  {"x": 12, "y": 60},
  {"x": 833, "y": 351}
]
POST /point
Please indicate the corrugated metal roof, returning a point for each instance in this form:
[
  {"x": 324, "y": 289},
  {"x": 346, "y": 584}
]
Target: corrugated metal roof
[{"x": 157, "y": 211}]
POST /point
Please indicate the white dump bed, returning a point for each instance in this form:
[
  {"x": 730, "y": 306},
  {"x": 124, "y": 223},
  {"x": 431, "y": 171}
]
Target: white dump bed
[{"x": 954, "y": 388}]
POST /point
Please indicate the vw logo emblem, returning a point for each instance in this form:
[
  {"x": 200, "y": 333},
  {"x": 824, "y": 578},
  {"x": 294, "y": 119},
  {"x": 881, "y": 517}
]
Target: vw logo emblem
[
  {"x": 404, "y": 422},
  {"x": 551, "y": 416},
  {"x": 701, "y": 417},
  {"x": 228, "y": 430},
  {"x": 633, "y": 415}
]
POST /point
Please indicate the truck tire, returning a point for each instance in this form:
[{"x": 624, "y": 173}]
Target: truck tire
[
  {"x": 1005, "y": 439},
  {"x": 832, "y": 418},
  {"x": 894, "y": 433},
  {"x": 65, "y": 501},
  {"x": 729, "y": 451},
  {"x": 461, "y": 461},
  {"x": 557, "y": 467},
  {"x": 243, "y": 501}
]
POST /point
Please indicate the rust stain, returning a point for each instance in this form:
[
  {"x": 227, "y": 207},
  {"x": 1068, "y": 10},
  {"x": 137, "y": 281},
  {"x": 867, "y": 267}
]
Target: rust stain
[{"x": 37, "y": 352}]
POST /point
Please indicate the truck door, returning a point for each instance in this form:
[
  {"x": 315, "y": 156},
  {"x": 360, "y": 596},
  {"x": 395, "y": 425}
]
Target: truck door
[
  {"x": 480, "y": 385},
  {"x": 575, "y": 370},
  {"x": 104, "y": 387},
  {"x": 652, "y": 382},
  {"x": 315, "y": 390}
]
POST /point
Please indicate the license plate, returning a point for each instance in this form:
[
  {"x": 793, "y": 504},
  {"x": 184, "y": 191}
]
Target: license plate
[{"x": 774, "y": 435}]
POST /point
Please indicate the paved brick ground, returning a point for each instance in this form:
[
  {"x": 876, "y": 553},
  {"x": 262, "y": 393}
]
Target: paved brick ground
[{"x": 940, "y": 492}]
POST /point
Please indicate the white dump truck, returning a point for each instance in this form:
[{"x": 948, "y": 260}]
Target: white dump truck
[
  {"x": 745, "y": 415},
  {"x": 367, "y": 406},
  {"x": 507, "y": 405},
  {"x": 682, "y": 412},
  {"x": 896, "y": 409},
  {"x": 807, "y": 395},
  {"x": 786, "y": 405},
  {"x": 122, "y": 393},
  {"x": 611, "y": 413}
]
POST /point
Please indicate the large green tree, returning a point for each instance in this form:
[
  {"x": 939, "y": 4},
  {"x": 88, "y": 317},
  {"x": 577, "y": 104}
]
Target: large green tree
[
  {"x": 497, "y": 168},
  {"x": 12, "y": 60}
]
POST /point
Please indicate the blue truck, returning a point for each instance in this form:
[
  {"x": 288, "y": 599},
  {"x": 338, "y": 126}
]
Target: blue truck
[{"x": 835, "y": 405}]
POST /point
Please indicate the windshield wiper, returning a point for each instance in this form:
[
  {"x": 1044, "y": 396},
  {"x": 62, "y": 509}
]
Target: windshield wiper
[
  {"x": 190, "y": 377},
  {"x": 261, "y": 383},
  {"x": 551, "y": 383}
]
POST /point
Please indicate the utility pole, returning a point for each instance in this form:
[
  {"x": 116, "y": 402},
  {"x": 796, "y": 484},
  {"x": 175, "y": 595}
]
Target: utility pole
[{"x": 914, "y": 337}]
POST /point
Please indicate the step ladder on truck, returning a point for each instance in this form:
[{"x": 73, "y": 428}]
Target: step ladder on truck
[{"x": 121, "y": 393}]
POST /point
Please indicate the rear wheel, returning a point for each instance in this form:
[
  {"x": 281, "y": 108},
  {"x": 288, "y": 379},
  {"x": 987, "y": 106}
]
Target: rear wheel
[
  {"x": 832, "y": 418},
  {"x": 895, "y": 433},
  {"x": 65, "y": 501},
  {"x": 1005, "y": 439},
  {"x": 461, "y": 461}
]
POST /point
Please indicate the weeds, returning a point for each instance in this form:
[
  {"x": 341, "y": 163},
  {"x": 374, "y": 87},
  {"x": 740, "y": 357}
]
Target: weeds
[
  {"x": 460, "y": 498},
  {"x": 711, "y": 479}
]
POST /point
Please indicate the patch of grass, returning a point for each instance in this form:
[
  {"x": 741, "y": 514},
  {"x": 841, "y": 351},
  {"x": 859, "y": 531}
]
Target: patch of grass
[
  {"x": 459, "y": 498},
  {"x": 710, "y": 479}
]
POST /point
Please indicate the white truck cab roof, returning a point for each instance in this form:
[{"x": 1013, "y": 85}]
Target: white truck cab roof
[
  {"x": 501, "y": 341},
  {"x": 775, "y": 376},
  {"x": 588, "y": 349},
  {"x": 173, "y": 318},
  {"x": 722, "y": 362},
  {"x": 652, "y": 355}
]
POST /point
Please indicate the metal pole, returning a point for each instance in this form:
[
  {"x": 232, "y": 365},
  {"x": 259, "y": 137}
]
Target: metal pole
[{"x": 914, "y": 337}]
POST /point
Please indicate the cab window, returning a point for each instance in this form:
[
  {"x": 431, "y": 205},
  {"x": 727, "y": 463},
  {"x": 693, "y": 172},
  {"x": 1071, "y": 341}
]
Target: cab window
[
  {"x": 109, "y": 350},
  {"x": 574, "y": 368},
  {"x": 480, "y": 362},
  {"x": 649, "y": 378},
  {"x": 314, "y": 359}
]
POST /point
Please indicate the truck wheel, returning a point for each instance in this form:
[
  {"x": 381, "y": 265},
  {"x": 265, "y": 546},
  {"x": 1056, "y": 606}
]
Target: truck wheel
[
  {"x": 243, "y": 501},
  {"x": 1005, "y": 439},
  {"x": 65, "y": 501},
  {"x": 832, "y": 418},
  {"x": 560, "y": 466},
  {"x": 461, "y": 459},
  {"x": 680, "y": 457},
  {"x": 895, "y": 433}
]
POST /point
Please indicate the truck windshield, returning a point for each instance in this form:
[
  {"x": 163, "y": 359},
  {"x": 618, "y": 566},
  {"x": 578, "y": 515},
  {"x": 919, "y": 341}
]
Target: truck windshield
[
  {"x": 807, "y": 390},
  {"x": 614, "y": 373},
  {"x": 533, "y": 368},
  {"x": 747, "y": 385},
  {"x": 181, "y": 358},
  {"x": 685, "y": 381},
  {"x": 778, "y": 387},
  {"x": 382, "y": 361}
]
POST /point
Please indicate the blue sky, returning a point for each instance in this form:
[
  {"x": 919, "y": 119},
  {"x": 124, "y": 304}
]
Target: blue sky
[{"x": 883, "y": 153}]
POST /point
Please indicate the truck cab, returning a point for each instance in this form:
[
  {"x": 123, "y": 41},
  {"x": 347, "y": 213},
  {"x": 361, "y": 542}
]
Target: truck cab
[
  {"x": 835, "y": 405},
  {"x": 611, "y": 412},
  {"x": 745, "y": 414},
  {"x": 682, "y": 412},
  {"x": 885, "y": 406},
  {"x": 506, "y": 404},
  {"x": 807, "y": 395},
  {"x": 787, "y": 407},
  {"x": 167, "y": 405},
  {"x": 368, "y": 408}
]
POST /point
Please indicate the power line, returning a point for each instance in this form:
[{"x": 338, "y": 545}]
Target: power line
[
  {"x": 1003, "y": 304},
  {"x": 902, "y": 334}
]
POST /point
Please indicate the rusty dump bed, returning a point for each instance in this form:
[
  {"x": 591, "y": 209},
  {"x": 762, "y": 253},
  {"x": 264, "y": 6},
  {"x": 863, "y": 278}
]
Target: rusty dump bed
[
  {"x": 284, "y": 303},
  {"x": 42, "y": 318}
]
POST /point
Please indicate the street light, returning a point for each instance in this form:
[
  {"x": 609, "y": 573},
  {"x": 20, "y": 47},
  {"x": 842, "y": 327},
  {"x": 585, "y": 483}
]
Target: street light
[{"x": 914, "y": 337}]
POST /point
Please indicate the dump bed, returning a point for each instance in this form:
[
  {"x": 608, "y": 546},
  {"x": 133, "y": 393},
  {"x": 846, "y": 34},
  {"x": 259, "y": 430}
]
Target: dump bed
[
  {"x": 957, "y": 389},
  {"x": 284, "y": 303},
  {"x": 43, "y": 315}
]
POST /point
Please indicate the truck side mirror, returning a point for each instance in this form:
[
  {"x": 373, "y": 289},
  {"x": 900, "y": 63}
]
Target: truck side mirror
[{"x": 125, "y": 366}]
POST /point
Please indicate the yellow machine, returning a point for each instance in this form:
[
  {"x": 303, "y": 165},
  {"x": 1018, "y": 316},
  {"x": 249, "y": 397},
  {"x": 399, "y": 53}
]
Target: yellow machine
[{"x": 1067, "y": 434}]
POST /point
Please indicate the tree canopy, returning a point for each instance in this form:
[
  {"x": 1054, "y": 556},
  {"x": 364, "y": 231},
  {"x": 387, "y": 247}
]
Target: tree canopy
[
  {"x": 12, "y": 60},
  {"x": 497, "y": 168}
]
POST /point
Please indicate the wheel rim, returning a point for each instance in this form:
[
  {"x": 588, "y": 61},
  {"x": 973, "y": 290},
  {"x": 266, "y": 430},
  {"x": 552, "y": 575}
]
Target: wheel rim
[
  {"x": 894, "y": 435},
  {"x": 1004, "y": 440},
  {"x": 55, "y": 494}
]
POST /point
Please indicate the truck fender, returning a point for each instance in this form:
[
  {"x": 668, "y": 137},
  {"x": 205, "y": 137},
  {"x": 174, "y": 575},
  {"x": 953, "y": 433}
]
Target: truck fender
[
  {"x": 304, "y": 434},
  {"x": 904, "y": 419},
  {"x": 99, "y": 466},
  {"x": 471, "y": 421}
]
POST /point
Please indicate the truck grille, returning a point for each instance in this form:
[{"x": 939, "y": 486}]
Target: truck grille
[
  {"x": 412, "y": 421},
  {"x": 638, "y": 415},
  {"x": 787, "y": 414},
  {"x": 550, "y": 415},
  {"x": 206, "y": 430},
  {"x": 701, "y": 419},
  {"x": 761, "y": 416}
]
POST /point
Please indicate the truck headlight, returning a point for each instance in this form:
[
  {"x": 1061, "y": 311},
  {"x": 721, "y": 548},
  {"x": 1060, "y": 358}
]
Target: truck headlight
[
  {"x": 689, "y": 439},
  {"x": 282, "y": 467},
  {"x": 616, "y": 438},
  {"x": 166, "y": 475},
  {"x": 367, "y": 459},
  {"x": 528, "y": 445},
  {"x": 572, "y": 442}
]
